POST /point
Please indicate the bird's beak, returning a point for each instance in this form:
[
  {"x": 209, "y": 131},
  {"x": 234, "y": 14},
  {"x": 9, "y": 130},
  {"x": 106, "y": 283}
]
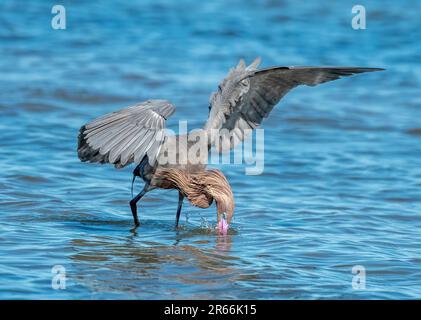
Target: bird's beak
[{"x": 223, "y": 224}]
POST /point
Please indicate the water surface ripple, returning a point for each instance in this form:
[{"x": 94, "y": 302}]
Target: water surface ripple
[{"x": 342, "y": 179}]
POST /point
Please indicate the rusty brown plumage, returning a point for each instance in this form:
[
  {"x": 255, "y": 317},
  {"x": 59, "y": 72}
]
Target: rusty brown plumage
[{"x": 200, "y": 188}]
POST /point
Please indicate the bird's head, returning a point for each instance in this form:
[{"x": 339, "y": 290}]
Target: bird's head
[
  {"x": 218, "y": 188},
  {"x": 202, "y": 189},
  {"x": 224, "y": 220}
]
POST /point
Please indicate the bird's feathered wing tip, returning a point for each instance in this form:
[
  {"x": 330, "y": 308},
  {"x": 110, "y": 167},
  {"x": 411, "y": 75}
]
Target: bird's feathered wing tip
[
  {"x": 241, "y": 66},
  {"x": 85, "y": 152},
  {"x": 254, "y": 64},
  {"x": 247, "y": 95},
  {"x": 125, "y": 136}
]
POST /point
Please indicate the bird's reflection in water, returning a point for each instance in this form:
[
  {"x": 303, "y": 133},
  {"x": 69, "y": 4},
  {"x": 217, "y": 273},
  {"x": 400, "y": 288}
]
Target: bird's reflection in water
[
  {"x": 194, "y": 257},
  {"x": 223, "y": 244}
]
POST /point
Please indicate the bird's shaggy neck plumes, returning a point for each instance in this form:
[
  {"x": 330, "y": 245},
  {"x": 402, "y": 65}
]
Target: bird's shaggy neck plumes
[{"x": 200, "y": 188}]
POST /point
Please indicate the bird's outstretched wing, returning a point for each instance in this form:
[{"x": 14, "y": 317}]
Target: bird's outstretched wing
[
  {"x": 127, "y": 135},
  {"x": 247, "y": 96}
]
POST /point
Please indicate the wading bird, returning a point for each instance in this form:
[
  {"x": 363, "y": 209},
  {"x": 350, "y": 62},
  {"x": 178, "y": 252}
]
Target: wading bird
[{"x": 136, "y": 134}]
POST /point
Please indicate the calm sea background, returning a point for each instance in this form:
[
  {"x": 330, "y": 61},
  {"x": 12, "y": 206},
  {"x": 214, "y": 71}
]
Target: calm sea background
[{"x": 342, "y": 179}]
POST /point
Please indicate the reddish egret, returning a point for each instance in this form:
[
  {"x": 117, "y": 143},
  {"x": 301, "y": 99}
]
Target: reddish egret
[{"x": 244, "y": 98}]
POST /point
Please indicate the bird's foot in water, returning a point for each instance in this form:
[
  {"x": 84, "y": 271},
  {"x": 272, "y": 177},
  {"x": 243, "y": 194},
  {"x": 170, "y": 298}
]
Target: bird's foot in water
[
  {"x": 136, "y": 225},
  {"x": 179, "y": 227}
]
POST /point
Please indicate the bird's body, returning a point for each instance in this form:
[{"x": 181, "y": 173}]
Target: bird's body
[{"x": 136, "y": 134}]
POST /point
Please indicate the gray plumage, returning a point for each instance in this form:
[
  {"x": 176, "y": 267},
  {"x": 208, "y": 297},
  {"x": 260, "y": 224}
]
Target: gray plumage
[
  {"x": 248, "y": 95},
  {"x": 125, "y": 136},
  {"x": 244, "y": 98}
]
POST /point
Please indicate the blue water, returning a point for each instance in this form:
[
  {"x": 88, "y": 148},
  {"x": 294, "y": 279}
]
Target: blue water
[{"x": 342, "y": 179}]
